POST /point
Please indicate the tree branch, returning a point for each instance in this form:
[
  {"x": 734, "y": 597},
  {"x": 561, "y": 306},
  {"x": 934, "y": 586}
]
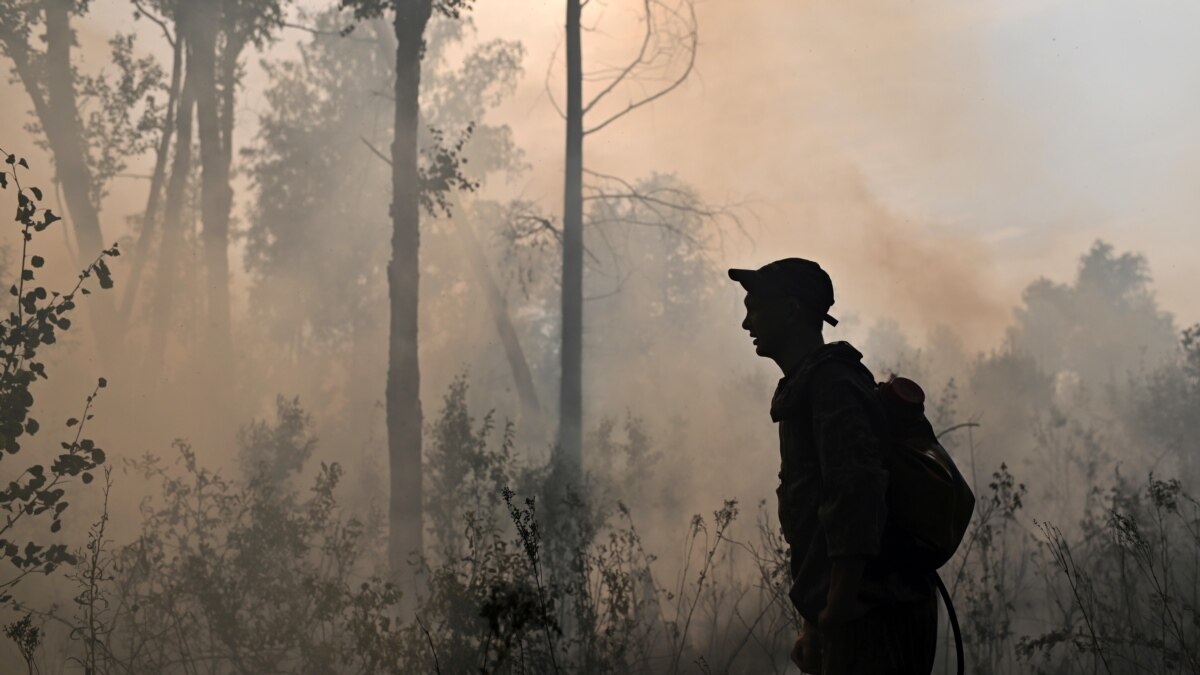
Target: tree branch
[
  {"x": 375, "y": 150},
  {"x": 157, "y": 20},
  {"x": 546, "y": 83},
  {"x": 692, "y": 39},
  {"x": 647, "y": 38}
]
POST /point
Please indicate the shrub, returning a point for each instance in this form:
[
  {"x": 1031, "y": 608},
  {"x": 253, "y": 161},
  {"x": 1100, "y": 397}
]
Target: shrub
[{"x": 35, "y": 496}]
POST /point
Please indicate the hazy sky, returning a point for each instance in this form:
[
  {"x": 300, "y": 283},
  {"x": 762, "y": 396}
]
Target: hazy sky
[
  {"x": 992, "y": 140},
  {"x": 935, "y": 156}
]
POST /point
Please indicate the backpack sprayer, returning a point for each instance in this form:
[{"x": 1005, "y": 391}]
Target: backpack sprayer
[{"x": 929, "y": 502}]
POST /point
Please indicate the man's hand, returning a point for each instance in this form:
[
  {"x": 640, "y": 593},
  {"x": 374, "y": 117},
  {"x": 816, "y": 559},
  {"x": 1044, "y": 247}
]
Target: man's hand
[
  {"x": 806, "y": 653},
  {"x": 839, "y": 610},
  {"x": 842, "y": 604}
]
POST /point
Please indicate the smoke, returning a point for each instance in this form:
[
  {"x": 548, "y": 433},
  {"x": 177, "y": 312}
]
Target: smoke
[{"x": 886, "y": 142}]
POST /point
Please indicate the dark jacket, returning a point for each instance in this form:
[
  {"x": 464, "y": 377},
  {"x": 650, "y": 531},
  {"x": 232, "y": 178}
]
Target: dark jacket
[{"x": 833, "y": 480}]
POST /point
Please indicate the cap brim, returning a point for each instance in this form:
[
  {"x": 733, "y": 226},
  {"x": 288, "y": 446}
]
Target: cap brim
[{"x": 750, "y": 280}]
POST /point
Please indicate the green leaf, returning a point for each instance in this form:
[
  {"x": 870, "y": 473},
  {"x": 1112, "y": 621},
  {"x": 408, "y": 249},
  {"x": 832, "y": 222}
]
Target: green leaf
[
  {"x": 3, "y": 180},
  {"x": 87, "y": 477},
  {"x": 37, "y": 261},
  {"x": 11, "y": 159},
  {"x": 56, "y": 526},
  {"x": 50, "y": 217},
  {"x": 103, "y": 383},
  {"x": 103, "y": 273},
  {"x": 27, "y": 275},
  {"x": 72, "y": 422},
  {"x": 37, "y": 192},
  {"x": 23, "y": 163}
]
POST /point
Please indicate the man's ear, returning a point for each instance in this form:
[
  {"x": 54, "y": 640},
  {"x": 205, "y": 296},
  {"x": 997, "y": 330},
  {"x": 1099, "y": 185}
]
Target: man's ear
[
  {"x": 801, "y": 314},
  {"x": 797, "y": 312}
]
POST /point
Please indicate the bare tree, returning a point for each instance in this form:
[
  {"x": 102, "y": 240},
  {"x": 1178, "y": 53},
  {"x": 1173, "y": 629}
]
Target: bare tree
[
  {"x": 665, "y": 58},
  {"x": 531, "y": 409}
]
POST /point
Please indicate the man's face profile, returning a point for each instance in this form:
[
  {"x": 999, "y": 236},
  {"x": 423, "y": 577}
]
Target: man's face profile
[{"x": 772, "y": 322}]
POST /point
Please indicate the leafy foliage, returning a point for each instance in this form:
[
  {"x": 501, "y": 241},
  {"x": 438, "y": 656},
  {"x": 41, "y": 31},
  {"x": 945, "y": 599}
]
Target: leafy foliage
[
  {"x": 35, "y": 321},
  {"x": 1109, "y": 306},
  {"x": 123, "y": 113},
  {"x": 275, "y": 452},
  {"x": 373, "y": 9},
  {"x": 263, "y": 578}
]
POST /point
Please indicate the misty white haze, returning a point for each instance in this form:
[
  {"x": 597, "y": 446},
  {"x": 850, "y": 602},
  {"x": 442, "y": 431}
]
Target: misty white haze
[{"x": 1002, "y": 192}]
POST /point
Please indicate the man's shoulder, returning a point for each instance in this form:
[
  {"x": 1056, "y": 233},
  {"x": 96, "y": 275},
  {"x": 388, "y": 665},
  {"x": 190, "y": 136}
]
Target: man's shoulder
[
  {"x": 833, "y": 366},
  {"x": 837, "y": 362}
]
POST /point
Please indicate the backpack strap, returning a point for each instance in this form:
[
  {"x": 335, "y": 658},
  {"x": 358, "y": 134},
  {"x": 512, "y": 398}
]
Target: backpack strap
[{"x": 958, "y": 643}]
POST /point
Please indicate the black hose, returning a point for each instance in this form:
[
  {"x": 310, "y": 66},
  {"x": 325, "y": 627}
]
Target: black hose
[{"x": 958, "y": 643}]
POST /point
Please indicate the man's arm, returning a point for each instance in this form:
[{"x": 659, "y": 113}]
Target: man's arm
[
  {"x": 853, "y": 506},
  {"x": 841, "y": 602}
]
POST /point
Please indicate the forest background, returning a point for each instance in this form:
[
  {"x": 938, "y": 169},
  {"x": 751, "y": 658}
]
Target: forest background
[{"x": 1001, "y": 195}]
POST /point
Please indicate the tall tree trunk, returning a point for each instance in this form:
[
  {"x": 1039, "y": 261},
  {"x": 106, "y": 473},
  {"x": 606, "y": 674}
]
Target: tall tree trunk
[
  {"x": 163, "y": 302},
  {"x": 404, "y": 375},
  {"x": 152, "y": 217},
  {"x": 51, "y": 88},
  {"x": 498, "y": 307},
  {"x": 569, "y": 459},
  {"x": 64, "y": 130},
  {"x": 216, "y": 194}
]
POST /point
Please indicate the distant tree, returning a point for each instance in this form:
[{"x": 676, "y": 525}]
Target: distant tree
[
  {"x": 1164, "y": 409},
  {"x": 1103, "y": 326},
  {"x": 317, "y": 289},
  {"x": 652, "y": 243},
  {"x": 313, "y": 246},
  {"x": 218, "y": 32},
  {"x": 887, "y": 345},
  {"x": 163, "y": 300},
  {"x": 163, "y": 13},
  {"x": 90, "y": 124}
]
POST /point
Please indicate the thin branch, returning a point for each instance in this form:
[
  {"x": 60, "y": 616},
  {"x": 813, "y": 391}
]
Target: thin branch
[
  {"x": 647, "y": 38},
  {"x": 546, "y": 83},
  {"x": 324, "y": 33},
  {"x": 693, "y": 37},
  {"x": 964, "y": 425},
  {"x": 615, "y": 291},
  {"x": 157, "y": 20},
  {"x": 375, "y": 150},
  {"x": 665, "y": 202}
]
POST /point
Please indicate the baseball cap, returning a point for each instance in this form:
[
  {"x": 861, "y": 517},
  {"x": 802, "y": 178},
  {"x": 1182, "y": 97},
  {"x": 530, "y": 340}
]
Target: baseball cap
[{"x": 790, "y": 278}]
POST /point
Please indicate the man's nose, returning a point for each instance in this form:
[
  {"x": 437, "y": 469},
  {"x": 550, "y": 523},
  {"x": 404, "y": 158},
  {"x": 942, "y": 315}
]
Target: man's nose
[{"x": 746, "y": 323}]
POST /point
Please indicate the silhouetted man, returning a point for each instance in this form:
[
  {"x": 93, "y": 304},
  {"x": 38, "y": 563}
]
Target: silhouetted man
[{"x": 861, "y": 613}]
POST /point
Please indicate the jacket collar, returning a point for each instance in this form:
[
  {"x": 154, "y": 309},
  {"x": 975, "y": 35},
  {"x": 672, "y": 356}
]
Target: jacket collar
[{"x": 791, "y": 392}]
